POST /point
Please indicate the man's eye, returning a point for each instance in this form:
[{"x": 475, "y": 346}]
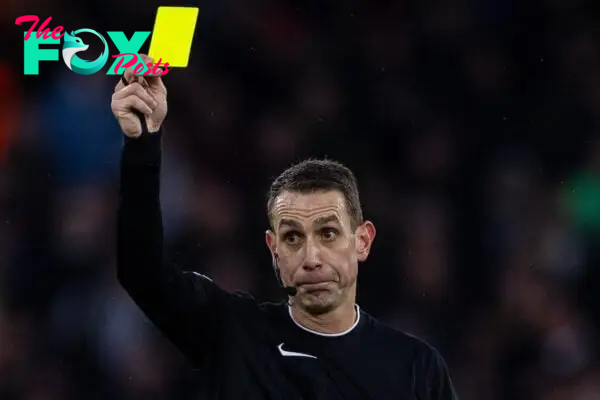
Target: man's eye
[
  {"x": 291, "y": 238},
  {"x": 329, "y": 234}
]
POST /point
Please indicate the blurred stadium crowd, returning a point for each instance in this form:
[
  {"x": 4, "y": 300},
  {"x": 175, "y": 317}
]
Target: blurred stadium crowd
[{"x": 472, "y": 127}]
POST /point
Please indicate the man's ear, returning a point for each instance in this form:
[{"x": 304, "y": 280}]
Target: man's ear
[
  {"x": 365, "y": 235},
  {"x": 271, "y": 242}
]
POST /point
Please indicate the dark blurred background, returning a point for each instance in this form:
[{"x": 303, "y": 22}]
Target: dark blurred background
[{"x": 472, "y": 126}]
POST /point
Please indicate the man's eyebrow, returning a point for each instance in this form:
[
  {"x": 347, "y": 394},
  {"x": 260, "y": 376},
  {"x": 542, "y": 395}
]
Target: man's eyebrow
[
  {"x": 288, "y": 222},
  {"x": 318, "y": 222},
  {"x": 326, "y": 220}
]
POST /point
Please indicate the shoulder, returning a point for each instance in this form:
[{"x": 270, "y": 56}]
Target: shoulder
[
  {"x": 220, "y": 297},
  {"x": 414, "y": 355},
  {"x": 401, "y": 342},
  {"x": 237, "y": 300}
]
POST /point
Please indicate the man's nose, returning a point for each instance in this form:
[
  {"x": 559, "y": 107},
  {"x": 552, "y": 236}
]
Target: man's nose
[{"x": 313, "y": 255}]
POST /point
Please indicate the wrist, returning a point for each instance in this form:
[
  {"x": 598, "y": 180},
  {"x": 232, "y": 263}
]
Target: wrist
[{"x": 143, "y": 149}]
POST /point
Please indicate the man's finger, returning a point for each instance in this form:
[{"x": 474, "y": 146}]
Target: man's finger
[
  {"x": 149, "y": 62},
  {"x": 133, "y": 102},
  {"x": 146, "y": 58},
  {"x": 128, "y": 75},
  {"x": 154, "y": 81},
  {"x": 137, "y": 90}
]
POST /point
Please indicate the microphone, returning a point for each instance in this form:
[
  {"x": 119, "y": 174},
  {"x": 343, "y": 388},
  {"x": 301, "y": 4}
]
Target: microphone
[{"x": 288, "y": 290}]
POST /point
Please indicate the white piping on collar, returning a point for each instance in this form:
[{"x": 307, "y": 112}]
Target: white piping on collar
[{"x": 347, "y": 331}]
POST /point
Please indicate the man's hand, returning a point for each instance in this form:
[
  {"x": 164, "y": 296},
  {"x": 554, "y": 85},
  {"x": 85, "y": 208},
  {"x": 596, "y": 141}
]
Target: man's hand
[{"x": 145, "y": 94}]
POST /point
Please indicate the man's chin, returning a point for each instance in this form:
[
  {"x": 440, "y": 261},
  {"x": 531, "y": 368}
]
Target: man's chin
[{"x": 318, "y": 301}]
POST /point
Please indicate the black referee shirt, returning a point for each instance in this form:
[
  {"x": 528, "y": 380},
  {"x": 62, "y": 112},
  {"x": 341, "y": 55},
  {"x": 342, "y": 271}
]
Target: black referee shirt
[{"x": 246, "y": 350}]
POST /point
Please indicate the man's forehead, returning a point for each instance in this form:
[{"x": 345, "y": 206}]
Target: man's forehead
[{"x": 309, "y": 206}]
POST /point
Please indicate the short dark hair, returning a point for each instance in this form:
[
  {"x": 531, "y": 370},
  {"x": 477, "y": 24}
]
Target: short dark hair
[{"x": 319, "y": 175}]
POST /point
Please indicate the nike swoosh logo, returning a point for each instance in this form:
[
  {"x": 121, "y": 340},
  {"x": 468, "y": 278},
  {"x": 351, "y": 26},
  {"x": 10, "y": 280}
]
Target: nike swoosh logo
[{"x": 286, "y": 353}]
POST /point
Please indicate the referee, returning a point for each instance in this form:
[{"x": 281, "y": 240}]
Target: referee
[{"x": 318, "y": 345}]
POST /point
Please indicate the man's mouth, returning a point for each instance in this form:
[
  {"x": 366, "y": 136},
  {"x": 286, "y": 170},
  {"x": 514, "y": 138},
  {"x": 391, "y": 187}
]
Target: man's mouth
[{"x": 315, "y": 286}]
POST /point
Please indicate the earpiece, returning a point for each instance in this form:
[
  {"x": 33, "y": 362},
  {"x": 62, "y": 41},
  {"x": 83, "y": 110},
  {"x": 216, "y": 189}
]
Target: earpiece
[{"x": 289, "y": 290}]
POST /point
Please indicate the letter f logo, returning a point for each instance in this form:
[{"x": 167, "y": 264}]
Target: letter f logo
[{"x": 33, "y": 54}]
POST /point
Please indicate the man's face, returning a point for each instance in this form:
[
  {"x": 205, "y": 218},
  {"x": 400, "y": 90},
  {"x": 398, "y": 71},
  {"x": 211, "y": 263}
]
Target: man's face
[{"x": 317, "y": 251}]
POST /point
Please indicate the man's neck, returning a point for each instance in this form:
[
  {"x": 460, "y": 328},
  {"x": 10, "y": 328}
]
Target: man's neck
[{"x": 336, "y": 321}]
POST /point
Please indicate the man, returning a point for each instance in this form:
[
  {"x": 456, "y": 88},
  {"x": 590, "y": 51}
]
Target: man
[{"x": 319, "y": 345}]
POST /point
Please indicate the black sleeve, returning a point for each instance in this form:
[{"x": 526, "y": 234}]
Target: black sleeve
[
  {"x": 432, "y": 379},
  {"x": 185, "y": 306}
]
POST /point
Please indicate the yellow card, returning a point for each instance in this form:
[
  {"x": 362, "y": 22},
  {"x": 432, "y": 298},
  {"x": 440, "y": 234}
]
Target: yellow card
[{"x": 173, "y": 34}]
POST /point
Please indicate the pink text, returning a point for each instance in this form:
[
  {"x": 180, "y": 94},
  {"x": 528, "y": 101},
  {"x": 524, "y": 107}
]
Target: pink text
[
  {"x": 153, "y": 68},
  {"x": 42, "y": 29}
]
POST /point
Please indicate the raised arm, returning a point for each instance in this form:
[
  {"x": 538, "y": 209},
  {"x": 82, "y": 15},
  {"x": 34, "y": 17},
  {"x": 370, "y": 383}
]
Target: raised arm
[{"x": 185, "y": 306}]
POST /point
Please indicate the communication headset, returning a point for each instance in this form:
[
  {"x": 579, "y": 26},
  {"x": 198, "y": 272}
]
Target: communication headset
[{"x": 289, "y": 290}]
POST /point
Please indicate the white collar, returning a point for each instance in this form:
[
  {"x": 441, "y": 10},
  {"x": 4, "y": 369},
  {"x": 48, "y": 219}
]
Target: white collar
[{"x": 327, "y": 334}]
